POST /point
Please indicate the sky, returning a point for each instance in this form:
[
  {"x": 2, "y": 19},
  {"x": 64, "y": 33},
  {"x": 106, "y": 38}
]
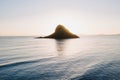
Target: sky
[{"x": 40, "y": 17}]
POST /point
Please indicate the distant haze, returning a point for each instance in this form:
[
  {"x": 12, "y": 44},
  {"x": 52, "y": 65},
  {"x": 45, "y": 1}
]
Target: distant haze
[{"x": 40, "y": 17}]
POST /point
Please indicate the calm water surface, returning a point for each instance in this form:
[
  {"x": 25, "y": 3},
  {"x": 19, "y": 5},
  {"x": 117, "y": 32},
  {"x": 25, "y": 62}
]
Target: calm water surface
[{"x": 87, "y": 58}]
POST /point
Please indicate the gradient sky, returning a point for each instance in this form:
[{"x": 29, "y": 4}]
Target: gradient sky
[{"x": 40, "y": 17}]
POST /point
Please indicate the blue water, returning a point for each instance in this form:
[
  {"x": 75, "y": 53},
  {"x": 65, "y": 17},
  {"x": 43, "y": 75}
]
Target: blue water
[{"x": 87, "y": 58}]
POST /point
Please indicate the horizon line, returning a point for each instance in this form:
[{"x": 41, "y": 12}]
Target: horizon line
[{"x": 77, "y": 34}]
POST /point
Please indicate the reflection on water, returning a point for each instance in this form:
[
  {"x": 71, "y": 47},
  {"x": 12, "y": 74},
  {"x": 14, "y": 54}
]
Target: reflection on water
[
  {"x": 66, "y": 47},
  {"x": 60, "y": 45}
]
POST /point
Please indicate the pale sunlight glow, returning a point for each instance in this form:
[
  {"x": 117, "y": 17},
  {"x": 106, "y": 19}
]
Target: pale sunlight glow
[{"x": 40, "y": 17}]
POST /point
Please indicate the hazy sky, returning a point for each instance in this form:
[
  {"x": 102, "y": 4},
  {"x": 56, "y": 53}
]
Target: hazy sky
[{"x": 40, "y": 17}]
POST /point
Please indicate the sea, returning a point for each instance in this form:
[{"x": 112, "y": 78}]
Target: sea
[{"x": 84, "y": 58}]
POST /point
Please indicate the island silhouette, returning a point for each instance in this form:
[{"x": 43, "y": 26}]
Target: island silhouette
[{"x": 61, "y": 33}]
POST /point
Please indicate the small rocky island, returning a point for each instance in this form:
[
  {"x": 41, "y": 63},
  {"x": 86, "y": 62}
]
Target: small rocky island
[{"x": 61, "y": 33}]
